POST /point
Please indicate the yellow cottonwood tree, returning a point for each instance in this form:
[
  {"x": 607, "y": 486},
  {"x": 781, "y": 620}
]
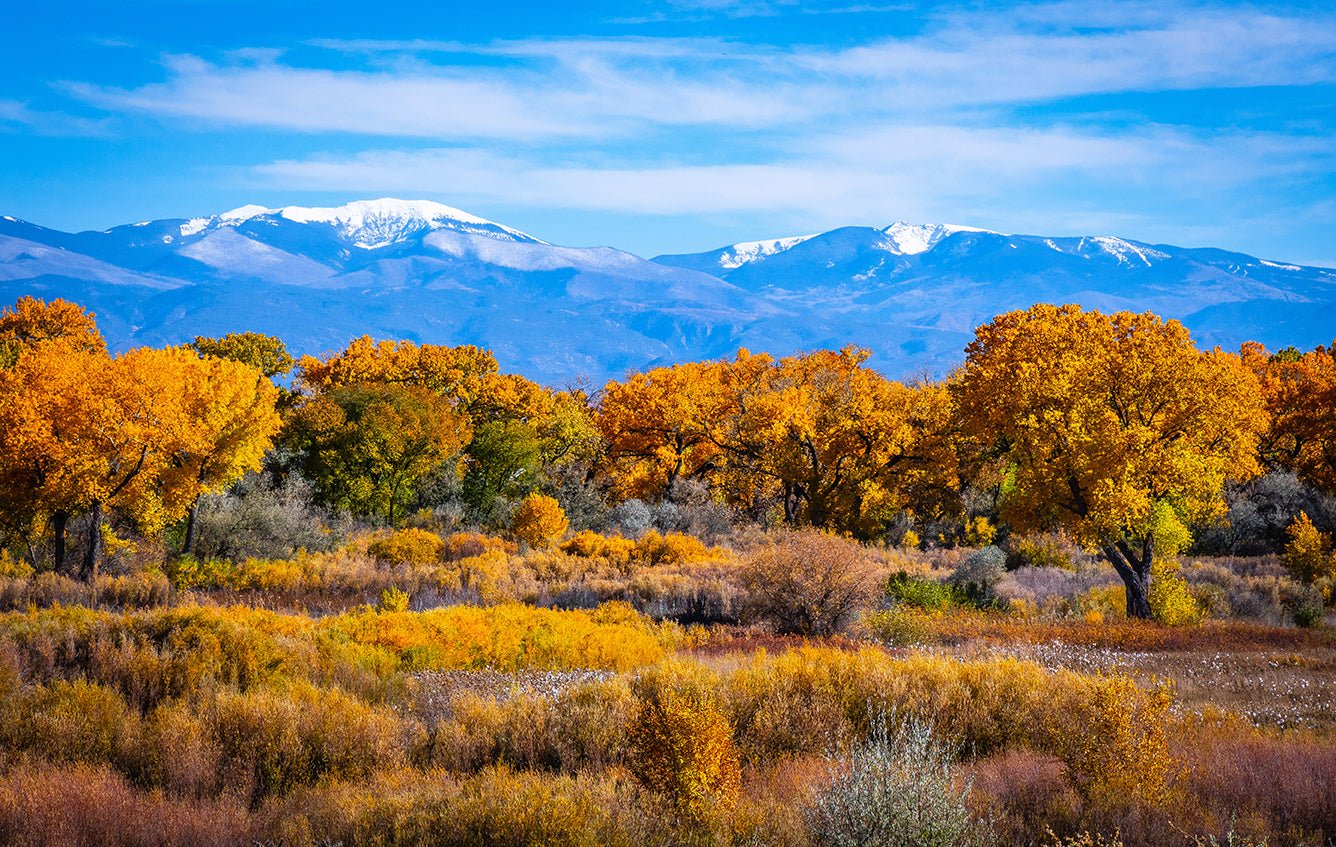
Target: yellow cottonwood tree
[
  {"x": 1300, "y": 391},
  {"x": 232, "y": 410},
  {"x": 31, "y": 321},
  {"x": 1100, "y": 419},
  {"x": 652, "y": 427},
  {"x": 839, "y": 444}
]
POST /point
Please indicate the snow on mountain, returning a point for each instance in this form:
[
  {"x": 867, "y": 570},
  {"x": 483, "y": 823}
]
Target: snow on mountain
[
  {"x": 749, "y": 251},
  {"x": 912, "y": 239},
  {"x": 368, "y": 224}
]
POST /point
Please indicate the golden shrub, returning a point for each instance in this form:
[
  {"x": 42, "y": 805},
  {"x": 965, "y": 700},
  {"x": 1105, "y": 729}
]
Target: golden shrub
[
  {"x": 1308, "y": 554},
  {"x": 1171, "y": 600},
  {"x": 614, "y": 551},
  {"x": 70, "y": 722},
  {"x": 462, "y": 545},
  {"x": 673, "y": 548},
  {"x": 1114, "y": 744},
  {"x": 979, "y": 532},
  {"x": 539, "y": 521},
  {"x": 408, "y": 547},
  {"x": 682, "y": 747}
]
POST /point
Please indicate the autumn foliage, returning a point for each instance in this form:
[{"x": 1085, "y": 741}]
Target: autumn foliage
[{"x": 1100, "y": 423}]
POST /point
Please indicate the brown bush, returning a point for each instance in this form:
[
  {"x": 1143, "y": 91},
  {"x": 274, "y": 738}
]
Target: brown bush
[
  {"x": 809, "y": 583},
  {"x": 83, "y": 806}
]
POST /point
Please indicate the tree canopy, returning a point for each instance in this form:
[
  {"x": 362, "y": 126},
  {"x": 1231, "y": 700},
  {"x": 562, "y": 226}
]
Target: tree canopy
[{"x": 1106, "y": 425}]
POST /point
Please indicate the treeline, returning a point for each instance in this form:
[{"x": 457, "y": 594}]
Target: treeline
[{"x": 1114, "y": 428}]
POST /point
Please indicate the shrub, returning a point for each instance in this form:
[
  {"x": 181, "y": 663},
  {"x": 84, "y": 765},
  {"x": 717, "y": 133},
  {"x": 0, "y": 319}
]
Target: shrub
[
  {"x": 254, "y": 520},
  {"x": 977, "y": 576},
  {"x": 462, "y": 545},
  {"x": 407, "y": 547},
  {"x": 69, "y": 722},
  {"x": 910, "y": 540},
  {"x": 919, "y": 592},
  {"x": 1308, "y": 556},
  {"x": 1118, "y": 751},
  {"x": 272, "y": 742},
  {"x": 979, "y": 532},
  {"x": 809, "y": 583},
  {"x": 1304, "y": 604},
  {"x": 1171, "y": 600},
  {"x": 539, "y": 521},
  {"x": 682, "y": 747},
  {"x": 894, "y": 790},
  {"x": 632, "y": 517},
  {"x": 902, "y": 627},
  {"x": 392, "y": 600},
  {"x": 1040, "y": 550},
  {"x": 613, "y": 550},
  {"x": 672, "y": 548}
]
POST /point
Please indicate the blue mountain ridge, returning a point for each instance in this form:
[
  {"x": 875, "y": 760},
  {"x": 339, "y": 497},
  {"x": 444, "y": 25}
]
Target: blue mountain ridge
[{"x": 425, "y": 272}]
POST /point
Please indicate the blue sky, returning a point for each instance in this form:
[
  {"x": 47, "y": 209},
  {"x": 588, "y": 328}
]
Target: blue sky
[{"x": 684, "y": 125}]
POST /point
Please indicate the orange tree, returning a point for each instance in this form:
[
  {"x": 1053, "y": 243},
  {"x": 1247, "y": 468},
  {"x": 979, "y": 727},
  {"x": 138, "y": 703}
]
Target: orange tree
[
  {"x": 1300, "y": 391},
  {"x": 1110, "y": 426},
  {"x": 839, "y": 445},
  {"x": 651, "y": 425},
  {"x": 31, "y": 321},
  {"x": 845, "y": 447}
]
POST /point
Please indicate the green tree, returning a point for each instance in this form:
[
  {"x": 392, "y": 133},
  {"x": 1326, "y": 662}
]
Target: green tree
[
  {"x": 503, "y": 460},
  {"x": 366, "y": 447}
]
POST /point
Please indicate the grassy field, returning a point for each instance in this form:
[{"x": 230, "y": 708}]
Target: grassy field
[{"x": 619, "y": 691}]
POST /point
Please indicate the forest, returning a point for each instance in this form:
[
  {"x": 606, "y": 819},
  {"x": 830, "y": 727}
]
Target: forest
[{"x": 1077, "y": 593}]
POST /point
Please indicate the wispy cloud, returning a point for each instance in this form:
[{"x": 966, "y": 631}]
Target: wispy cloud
[
  {"x": 926, "y": 172},
  {"x": 978, "y": 115},
  {"x": 17, "y": 116},
  {"x": 618, "y": 86}
]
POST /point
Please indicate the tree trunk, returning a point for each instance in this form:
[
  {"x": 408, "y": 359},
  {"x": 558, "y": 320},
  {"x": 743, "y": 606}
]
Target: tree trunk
[
  {"x": 1134, "y": 568},
  {"x": 58, "y": 521},
  {"x": 93, "y": 555},
  {"x": 189, "y": 544}
]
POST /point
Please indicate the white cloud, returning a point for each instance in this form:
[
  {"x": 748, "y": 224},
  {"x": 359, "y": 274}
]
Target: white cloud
[
  {"x": 17, "y": 115},
  {"x": 615, "y": 88},
  {"x": 918, "y": 172}
]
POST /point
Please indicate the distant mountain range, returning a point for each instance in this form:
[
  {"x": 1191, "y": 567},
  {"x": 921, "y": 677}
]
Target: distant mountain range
[{"x": 418, "y": 270}]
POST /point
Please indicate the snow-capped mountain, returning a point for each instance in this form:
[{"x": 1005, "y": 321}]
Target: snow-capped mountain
[
  {"x": 368, "y": 224},
  {"x": 431, "y": 273}
]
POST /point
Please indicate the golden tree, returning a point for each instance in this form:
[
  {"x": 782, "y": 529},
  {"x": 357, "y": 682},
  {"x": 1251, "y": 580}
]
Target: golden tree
[
  {"x": 1300, "y": 391},
  {"x": 1103, "y": 421},
  {"x": 233, "y": 418},
  {"x": 651, "y": 426},
  {"x": 846, "y": 447},
  {"x": 840, "y": 445},
  {"x": 265, "y": 352},
  {"x": 539, "y": 521},
  {"x": 84, "y": 433},
  {"x": 31, "y": 321}
]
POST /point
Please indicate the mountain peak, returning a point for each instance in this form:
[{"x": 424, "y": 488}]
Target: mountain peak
[
  {"x": 910, "y": 239},
  {"x": 369, "y": 224}
]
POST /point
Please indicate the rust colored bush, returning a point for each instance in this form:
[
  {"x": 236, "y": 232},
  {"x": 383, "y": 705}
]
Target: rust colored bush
[{"x": 809, "y": 583}]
